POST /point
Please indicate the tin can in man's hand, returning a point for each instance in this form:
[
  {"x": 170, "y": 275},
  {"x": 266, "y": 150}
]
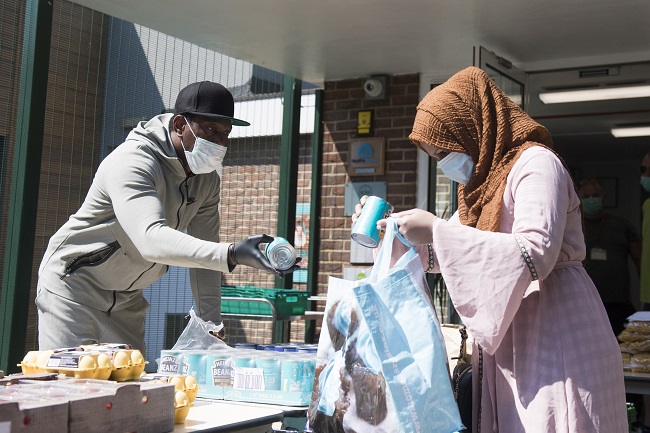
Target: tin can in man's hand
[
  {"x": 365, "y": 230},
  {"x": 281, "y": 254}
]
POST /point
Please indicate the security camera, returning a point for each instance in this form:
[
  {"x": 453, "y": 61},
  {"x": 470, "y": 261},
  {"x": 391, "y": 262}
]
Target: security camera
[{"x": 375, "y": 87}]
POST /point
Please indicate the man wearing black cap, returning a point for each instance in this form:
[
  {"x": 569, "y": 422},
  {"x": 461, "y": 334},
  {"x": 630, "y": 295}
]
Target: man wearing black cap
[{"x": 153, "y": 204}]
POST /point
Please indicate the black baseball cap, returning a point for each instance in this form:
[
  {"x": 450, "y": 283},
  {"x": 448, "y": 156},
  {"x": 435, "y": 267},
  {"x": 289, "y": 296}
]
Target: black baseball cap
[{"x": 207, "y": 99}]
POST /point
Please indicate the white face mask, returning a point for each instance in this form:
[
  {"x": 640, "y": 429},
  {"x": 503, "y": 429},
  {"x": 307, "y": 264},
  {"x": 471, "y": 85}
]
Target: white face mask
[
  {"x": 206, "y": 156},
  {"x": 457, "y": 167}
]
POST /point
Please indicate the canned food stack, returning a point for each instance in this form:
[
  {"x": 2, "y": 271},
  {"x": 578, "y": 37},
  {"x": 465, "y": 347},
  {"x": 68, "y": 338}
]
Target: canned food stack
[{"x": 277, "y": 374}]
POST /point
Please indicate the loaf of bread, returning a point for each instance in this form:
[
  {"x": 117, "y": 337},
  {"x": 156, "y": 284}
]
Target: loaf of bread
[
  {"x": 629, "y": 335},
  {"x": 638, "y": 326},
  {"x": 640, "y": 363},
  {"x": 633, "y": 347},
  {"x": 627, "y": 360}
]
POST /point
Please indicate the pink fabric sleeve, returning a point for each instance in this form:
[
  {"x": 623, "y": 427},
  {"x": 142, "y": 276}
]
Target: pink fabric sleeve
[{"x": 485, "y": 272}]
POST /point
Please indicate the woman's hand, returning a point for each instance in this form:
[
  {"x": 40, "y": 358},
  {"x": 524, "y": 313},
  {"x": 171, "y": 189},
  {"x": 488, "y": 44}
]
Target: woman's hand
[
  {"x": 416, "y": 225},
  {"x": 357, "y": 209}
]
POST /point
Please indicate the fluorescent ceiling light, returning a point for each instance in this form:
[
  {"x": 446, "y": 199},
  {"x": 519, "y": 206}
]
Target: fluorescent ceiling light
[
  {"x": 635, "y": 131},
  {"x": 598, "y": 94}
]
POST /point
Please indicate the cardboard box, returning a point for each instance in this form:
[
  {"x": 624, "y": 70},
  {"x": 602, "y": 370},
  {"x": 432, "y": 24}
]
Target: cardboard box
[
  {"x": 87, "y": 405},
  {"x": 146, "y": 407},
  {"x": 45, "y": 416}
]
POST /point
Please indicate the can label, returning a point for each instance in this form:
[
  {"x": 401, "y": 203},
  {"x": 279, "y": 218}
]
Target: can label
[
  {"x": 365, "y": 230},
  {"x": 220, "y": 370}
]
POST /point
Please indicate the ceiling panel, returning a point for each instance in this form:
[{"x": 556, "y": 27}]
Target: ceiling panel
[{"x": 317, "y": 41}]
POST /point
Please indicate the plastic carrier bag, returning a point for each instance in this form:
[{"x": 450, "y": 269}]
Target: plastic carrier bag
[
  {"x": 381, "y": 363},
  {"x": 196, "y": 335}
]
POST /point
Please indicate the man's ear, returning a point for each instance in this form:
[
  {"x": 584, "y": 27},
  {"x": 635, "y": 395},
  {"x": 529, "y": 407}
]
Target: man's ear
[{"x": 178, "y": 121}]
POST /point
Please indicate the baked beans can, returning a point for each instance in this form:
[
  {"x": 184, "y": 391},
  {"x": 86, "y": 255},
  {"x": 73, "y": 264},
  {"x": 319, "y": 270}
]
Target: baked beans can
[
  {"x": 194, "y": 362},
  {"x": 365, "y": 230},
  {"x": 281, "y": 254},
  {"x": 170, "y": 362},
  {"x": 271, "y": 367}
]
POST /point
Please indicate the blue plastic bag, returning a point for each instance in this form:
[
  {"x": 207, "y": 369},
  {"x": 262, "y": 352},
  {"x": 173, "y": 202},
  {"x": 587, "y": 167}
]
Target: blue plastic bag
[{"x": 382, "y": 362}]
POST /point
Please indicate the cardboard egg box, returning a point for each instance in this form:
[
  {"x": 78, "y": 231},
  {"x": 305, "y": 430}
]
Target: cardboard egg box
[
  {"x": 87, "y": 405},
  {"x": 99, "y": 361}
]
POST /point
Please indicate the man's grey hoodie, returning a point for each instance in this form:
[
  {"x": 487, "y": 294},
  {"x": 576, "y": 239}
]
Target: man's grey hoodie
[{"x": 142, "y": 214}]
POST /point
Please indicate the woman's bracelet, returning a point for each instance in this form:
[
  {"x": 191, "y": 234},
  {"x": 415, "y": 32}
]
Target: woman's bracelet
[{"x": 430, "y": 248}]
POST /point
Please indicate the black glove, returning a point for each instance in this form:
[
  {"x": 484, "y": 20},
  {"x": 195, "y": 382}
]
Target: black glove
[
  {"x": 295, "y": 267},
  {"x": 220, "y": 334},
  {"x": 247, "y": 252}
]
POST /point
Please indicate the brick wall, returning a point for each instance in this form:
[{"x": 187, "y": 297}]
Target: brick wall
[{"x": 393, "y": 119}]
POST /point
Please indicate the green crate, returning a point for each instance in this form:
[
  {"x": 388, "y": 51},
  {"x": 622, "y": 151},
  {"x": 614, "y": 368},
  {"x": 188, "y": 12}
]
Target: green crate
[{"x": 286, "y": 302}]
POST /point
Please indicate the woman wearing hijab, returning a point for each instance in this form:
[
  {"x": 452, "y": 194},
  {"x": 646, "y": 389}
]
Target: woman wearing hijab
[{"x": 545, "y": 358}]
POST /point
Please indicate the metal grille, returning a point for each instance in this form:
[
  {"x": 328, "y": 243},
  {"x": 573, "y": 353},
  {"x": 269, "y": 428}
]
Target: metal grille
[{"x": 107, "y": 74}]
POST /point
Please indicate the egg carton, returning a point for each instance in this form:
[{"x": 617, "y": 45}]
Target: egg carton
[
  {"x": 181, "y": 382},
  {"x": 128, "y": 363},
  {"x": 79, "y": 365},
  {"x": 89, "y": 405},
  {"x": 87, "y": 362},
  {"x": 182, "y": 407},
  {"x": 185, "y": 387}
]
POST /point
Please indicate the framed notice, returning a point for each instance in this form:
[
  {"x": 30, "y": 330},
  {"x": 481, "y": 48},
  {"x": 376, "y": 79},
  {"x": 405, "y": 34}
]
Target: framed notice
[{"x": 367, "y": 157}]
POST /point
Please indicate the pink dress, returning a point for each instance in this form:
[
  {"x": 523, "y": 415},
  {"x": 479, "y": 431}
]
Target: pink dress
[{"x": 551, "y": 362}]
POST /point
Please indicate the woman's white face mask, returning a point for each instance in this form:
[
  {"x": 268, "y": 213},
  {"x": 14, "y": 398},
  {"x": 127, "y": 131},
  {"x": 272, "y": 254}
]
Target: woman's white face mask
[
  {"x": 206, "y": 156},
  {"x": 457, "y": 167}
]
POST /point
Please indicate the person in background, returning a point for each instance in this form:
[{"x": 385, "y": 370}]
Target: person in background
[
  {"x": 610, "y": 240},
  {"x": 544, "y": 357},
  {"x": 645, "y": 231},
  {"x": 644, "y": 280},
  {"x": 154, "y": 203}
]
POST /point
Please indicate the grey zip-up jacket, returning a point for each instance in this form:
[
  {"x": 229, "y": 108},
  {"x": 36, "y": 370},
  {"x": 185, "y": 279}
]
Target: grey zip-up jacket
[{"x": 131, "y": 228}]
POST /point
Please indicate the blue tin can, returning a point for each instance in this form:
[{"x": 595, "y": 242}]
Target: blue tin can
[
  {"x": 365, "y": 230},
  {"x": 281, "y": 254},
  {"x": 271, "y": 368},
  {"x": 245, "y": 346}
]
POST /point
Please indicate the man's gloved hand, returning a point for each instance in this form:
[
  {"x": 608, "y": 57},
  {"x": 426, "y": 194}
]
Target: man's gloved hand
[
  {"x": 295, "y": 267},
  {"x": 220, "y": 334},
  {"x": 247, "y": 252}
]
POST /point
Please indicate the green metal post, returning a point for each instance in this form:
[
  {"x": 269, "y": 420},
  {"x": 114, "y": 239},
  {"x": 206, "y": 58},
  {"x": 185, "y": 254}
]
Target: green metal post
[
  {"x": 28, "y": 148},
  {"x": 289, "y": 147},
  {"x": 314, "y": 212}
]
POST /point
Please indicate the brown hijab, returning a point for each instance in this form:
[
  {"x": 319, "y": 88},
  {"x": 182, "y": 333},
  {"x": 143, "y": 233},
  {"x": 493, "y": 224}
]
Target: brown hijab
[{"x": 470, "y": 114}]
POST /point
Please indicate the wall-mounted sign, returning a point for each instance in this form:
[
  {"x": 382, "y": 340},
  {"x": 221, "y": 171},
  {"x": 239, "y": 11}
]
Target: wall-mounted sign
[
  {"x": 355, "y": 190},
  {"x": 367, "y": 157},
  {"x": 364, "y": 122}
]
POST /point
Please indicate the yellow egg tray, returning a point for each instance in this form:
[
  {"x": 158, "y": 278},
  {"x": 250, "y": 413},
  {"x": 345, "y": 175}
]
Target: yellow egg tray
[
  {"x": 185, "y": 383},
  {"x": 182, "y": 407},
  {"x": 114, "y": 364},
  {"x": 185, "y": 387}
]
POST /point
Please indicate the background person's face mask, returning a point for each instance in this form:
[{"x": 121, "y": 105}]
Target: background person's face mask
[
  {"x": 645, "y": 183},
  {"x": 592, "y": 205},
  {"x": 457, "y": 167},
  {"x": 206, "y": 156}
]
